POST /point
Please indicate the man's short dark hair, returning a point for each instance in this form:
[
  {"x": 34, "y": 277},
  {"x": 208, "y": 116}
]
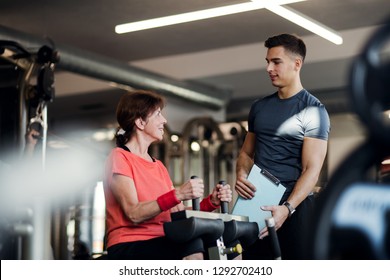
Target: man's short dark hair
[{"x": 290, "y": 42}]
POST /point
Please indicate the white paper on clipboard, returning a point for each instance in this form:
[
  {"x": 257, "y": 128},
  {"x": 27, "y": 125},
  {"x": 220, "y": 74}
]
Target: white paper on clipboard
[{"x": 269, "y": 191}]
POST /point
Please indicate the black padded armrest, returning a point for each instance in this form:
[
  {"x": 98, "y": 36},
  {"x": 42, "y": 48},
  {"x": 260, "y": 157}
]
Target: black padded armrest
[
  {"x": 246, "y": 232},
  {"x": 184, "y": 230}
]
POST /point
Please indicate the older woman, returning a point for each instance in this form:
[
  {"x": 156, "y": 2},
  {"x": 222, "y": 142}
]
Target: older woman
[{"x": 138, "y": 190}]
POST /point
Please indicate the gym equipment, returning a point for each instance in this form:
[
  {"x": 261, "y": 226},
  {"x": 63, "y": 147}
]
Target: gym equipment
[
  {"x": 216, "y": 229},
  {"x": 195, "y": 201},
  {"x": 352, "y": 217},
  {"x": 370, "y": 83},
  {"x": 336, "y": 233},
  {"x": 270, "y": 223},
  {"x": 26, "y": 85}
]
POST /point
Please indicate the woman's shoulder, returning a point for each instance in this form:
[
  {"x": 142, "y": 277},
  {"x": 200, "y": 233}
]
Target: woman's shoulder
[{"x": 117, "y": 151}]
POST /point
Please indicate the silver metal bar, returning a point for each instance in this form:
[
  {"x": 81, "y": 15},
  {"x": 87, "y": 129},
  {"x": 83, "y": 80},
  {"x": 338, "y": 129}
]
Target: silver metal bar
[
  {"x": 207, "y": 215},
  {"x": 105, "y": 68}
]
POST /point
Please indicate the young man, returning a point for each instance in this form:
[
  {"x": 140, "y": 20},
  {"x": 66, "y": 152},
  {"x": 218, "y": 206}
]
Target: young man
[{"x": 288, "y": 133}]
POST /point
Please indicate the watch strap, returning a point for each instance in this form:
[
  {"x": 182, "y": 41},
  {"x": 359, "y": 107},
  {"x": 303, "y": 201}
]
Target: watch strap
[{"x": 291, "y": 209}]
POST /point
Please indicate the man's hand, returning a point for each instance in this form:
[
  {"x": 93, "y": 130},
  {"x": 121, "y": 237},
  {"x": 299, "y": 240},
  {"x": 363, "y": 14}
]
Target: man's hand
[
  {"x": 279, "y": 213},
  {"x": 245, "y": 188}
]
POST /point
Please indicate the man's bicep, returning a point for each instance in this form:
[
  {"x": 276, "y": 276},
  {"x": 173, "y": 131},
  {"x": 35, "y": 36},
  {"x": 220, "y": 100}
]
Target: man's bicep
[
  {"x": 313, "y": 152},
  {"x": 245, "y": 158},
  {"x": 249, "y": 144}
]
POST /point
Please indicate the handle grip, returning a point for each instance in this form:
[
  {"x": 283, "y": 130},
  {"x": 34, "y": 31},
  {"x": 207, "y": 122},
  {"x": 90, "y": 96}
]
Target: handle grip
[
  {"x": 270, "y": 222},
  {"x": 224, "y": 204},
  {"x": 195, "y": 201}
]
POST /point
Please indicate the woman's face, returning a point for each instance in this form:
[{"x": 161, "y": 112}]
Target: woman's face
[{"x": 154, "y": 126}]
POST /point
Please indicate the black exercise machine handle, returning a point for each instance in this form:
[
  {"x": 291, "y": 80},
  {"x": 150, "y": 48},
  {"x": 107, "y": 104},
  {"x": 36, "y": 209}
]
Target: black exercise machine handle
[
  {"x": 195, "y": 201},
  {"x": 270, "y": 222},
  {"x": 224, "y": 204}
]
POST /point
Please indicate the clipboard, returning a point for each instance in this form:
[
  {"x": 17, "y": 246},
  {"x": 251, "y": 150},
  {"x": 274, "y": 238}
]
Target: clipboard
[{"x": 269, "y": 192}]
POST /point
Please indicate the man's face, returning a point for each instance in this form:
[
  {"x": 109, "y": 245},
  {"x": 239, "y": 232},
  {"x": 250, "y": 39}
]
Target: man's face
[{"x": 282, "y": 67}]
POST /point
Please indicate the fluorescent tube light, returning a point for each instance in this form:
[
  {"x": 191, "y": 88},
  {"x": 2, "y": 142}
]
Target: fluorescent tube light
[
  {"x": 306, "y": 22},
  {"x": 197, "y": 15},
  {"x": 386, "y": 161}
]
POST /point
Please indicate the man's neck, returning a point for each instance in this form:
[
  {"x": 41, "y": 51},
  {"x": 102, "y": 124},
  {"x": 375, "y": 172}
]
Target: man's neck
[{"x": 287, "y": 92}]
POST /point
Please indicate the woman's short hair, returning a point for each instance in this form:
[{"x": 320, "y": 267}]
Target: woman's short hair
[{"x": 131, "y": 106}]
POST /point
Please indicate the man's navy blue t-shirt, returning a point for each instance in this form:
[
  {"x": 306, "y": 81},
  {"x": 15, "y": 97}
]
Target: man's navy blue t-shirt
[{"x": 280, "y": 126}]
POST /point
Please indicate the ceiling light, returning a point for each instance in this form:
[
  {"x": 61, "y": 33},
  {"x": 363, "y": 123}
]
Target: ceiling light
[
  {"x": 174, "y": 138},
  {"x": 195, "y": 147},
  {"x": 305, "y": 22},
  {"x": 271, "y": 5},
  {"x": 57, "y": 144},
  {"x": 386, "y": 161},
  {"x": 197, "y": 15},
  {"x": 104, "y": 135}
]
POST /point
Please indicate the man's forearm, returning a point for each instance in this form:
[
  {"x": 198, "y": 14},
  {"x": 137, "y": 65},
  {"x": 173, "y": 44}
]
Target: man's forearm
[
  {"x": 303, "y": 187},
  {"x": 244, "y": 164}
]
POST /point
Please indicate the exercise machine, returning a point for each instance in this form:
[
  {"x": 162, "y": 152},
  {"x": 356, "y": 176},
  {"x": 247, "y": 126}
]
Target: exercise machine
[
  {"x": 215, "y": 229},
  {"x": 26, "y": 84},
  {"x": 352, "y": 217}
]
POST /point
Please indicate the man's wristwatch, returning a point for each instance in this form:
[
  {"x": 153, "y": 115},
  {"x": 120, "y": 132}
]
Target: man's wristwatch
[{"x": 291, "y": 209}]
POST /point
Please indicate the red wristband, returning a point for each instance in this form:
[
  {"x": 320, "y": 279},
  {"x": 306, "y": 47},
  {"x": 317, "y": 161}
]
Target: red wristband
[
  {"x": 207, "y": 205},
  {"x": 167, "y": 200}
]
